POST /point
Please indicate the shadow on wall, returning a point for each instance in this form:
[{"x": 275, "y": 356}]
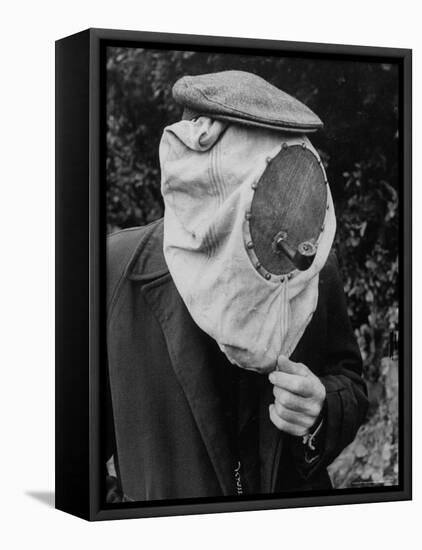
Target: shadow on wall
[{"x": 45, "y": 497}]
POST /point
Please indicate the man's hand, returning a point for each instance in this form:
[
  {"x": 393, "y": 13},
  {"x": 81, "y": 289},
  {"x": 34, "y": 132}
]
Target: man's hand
[{"x": 299, "y": 397}]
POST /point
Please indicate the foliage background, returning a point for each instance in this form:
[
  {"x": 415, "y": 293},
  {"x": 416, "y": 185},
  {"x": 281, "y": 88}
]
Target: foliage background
[{"x": 358, "y": 102}]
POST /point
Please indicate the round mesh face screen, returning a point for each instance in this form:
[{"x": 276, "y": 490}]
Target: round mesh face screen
[{"x": 288, "y": 210}]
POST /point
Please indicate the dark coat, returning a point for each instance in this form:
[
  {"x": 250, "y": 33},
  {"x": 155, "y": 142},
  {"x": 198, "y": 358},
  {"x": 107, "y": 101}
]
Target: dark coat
[{"x": 170, "y": 435}]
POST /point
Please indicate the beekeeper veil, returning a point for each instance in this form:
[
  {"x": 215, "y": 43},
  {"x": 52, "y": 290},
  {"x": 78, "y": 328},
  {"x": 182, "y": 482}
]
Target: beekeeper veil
[{"x": 249, "y": 219}]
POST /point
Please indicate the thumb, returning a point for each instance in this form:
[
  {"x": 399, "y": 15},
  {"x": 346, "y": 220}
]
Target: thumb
[{"x": 290, "y": 367}]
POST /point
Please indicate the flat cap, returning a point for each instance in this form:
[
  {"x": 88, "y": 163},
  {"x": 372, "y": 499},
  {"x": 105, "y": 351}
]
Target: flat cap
[{"x": 245, "y": 98}]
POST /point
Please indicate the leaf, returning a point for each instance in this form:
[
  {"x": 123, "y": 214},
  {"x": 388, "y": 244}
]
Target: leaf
[
  {"x": 361, "y": 450},
  {"x": 369, "y": 297}
]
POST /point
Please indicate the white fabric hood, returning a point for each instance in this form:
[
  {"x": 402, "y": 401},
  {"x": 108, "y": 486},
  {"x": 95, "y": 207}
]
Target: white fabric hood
[{"x": 209, "y": 169}]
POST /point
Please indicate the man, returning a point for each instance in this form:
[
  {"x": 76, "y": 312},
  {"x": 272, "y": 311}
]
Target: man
[{"x": 233, "y": 369}]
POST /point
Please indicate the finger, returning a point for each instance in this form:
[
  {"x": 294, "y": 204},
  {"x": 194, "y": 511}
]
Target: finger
[
  {"x": 296, "y": 403},
  {"x": 299, "y": 385},
  {"x": 300, "y": 419},
  {"x": 290, "y": 367},
  {"x": 284, "y": 426}
]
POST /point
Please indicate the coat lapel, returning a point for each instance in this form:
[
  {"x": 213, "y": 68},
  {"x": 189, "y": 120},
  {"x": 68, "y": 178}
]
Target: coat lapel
[{"x": 187, "y": 348}]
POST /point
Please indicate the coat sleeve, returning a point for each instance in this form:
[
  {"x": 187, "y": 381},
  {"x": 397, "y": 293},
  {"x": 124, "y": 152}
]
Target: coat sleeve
[{"x": 346, "y": 402}]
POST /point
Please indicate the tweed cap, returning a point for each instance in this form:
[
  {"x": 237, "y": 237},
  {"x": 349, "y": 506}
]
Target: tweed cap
[{"x": 245, "y": 98}]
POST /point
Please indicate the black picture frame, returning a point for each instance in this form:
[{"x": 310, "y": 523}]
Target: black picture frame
[{"x": 80, "y": 270}]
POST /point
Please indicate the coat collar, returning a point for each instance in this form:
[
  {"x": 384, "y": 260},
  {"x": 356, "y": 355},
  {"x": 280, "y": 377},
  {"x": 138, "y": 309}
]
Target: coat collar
[{"x": 187, "y": 346}]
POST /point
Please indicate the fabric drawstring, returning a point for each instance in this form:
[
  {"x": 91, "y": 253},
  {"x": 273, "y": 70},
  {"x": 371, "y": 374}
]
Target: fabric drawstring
[{"x": 284, "y": 310}]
